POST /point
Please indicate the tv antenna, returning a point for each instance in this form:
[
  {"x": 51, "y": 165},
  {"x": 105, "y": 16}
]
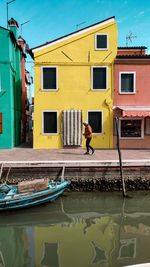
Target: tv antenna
[
  {"x": 80, "y": 24},
  {"x": 129, "y": 38},
  {"x": 7, "y": 10},
  {"x": 23, "y": 24}
]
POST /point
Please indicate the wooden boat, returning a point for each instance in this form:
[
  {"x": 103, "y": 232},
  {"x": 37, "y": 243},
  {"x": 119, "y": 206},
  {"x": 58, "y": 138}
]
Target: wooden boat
[{"x": 11, "y": 198}]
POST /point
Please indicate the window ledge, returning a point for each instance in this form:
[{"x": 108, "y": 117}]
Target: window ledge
[
  {"x": 99, "y": 89},
  {"x": 50, "y": 134},
  {"x": 47, "y": 90},
  {"x": 101, "y": 49},
  {"x": 128, "y": 93}
]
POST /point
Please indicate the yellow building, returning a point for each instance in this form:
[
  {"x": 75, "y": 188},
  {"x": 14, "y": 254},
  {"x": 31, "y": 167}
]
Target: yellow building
[
  {"x": 74, "y": 83},
  {"x": 68, "y": 245}
]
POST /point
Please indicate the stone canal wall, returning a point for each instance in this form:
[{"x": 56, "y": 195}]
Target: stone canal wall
[{"x": 86, "y": 179}]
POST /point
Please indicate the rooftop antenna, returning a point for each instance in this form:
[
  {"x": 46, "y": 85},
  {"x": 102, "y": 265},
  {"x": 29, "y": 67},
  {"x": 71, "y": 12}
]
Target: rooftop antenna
[
  {"x": 80, "y": 24},
  {"x": 129, "y": 38},
  {"x": 7, "y": 10},
  {"x": 23, "y": 24}
]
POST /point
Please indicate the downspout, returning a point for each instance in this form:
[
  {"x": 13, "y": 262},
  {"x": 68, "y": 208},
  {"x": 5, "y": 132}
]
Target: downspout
[{"x": 109, "y": 101}]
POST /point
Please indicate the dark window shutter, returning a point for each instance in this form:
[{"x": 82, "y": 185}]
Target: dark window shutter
[
  {"x": 101, "y": 41},
  {"x": 95, "y": 121},
  {"x": 50, "y": 122},
  {"x": 127, "y": 82},
  {"x": 49, "y": 78},
  {"x": 99, "y": 78}
]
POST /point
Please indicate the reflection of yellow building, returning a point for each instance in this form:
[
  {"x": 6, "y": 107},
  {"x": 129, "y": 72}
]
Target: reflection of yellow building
[
  {"x": 74, "y": 82},
  {"x": 67, "y": 244}
]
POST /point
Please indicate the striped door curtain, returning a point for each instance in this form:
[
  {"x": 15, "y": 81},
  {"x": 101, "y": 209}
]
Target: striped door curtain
[{"x": 72, "y": 127}]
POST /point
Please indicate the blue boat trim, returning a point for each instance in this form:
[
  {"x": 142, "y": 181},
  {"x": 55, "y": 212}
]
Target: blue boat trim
[{"x": 11, "y": 199}]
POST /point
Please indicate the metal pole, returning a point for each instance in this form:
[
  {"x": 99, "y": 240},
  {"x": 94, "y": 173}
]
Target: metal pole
[
  {"x": 62, "y": 175},
  {"x": 7, "y": 15},
  {"x": 23, "y": 24},
  {"x": 7, "y": 10},
  {"x": 1, "y": 170},
  {"x": 120, "y": 161}
]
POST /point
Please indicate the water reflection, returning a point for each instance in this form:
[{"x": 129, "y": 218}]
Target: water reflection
[{"x": 79, "y": 229}]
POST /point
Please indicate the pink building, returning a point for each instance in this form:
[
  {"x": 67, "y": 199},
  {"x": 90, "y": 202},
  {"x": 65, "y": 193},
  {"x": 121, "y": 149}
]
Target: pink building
[{"x": 132, "y": 97}]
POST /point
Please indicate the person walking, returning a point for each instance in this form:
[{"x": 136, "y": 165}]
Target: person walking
[{"x": 88, "y": 136}]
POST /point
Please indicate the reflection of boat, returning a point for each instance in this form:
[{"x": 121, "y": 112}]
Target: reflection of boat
[
  {"x": 11, "y": 198},
  {"x": 43, "y": 215}
]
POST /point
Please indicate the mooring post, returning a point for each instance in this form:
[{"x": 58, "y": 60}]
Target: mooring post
[
  {"x": 62, "y": 175},
  {"x": 120, "y": 161},
  {"x": 7, "y": 175},
  {"x": 1, "y": 170}
]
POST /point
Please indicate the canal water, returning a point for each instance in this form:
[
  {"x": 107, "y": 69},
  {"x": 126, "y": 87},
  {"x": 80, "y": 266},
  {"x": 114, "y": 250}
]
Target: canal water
[{"x": 78, "y": 230}]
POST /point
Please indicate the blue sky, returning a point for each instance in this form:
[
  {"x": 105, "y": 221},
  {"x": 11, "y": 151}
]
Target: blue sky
[{"x": 50, "y": 19}]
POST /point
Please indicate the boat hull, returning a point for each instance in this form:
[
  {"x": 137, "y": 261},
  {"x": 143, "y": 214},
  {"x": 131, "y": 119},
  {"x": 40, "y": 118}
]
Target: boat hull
[{"x": 16, "y": 201}]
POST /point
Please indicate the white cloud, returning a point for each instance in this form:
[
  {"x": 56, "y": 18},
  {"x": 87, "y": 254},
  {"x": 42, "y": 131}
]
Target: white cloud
[
  {"x": 118, "y": 21},
  {"x": 141, "y": 13},
  {"x": 148, "y": 52}
]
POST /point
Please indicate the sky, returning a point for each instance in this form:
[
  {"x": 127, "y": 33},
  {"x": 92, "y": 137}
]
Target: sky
[{"x": 51, "y": 19}]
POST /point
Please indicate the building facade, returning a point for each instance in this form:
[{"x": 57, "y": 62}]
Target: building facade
[
  {"x": 22, "y": 42},
  {"x": 132, "y": 97},
  {"x": 10, "y": 87},
  {"x": 74, "y": 83}
]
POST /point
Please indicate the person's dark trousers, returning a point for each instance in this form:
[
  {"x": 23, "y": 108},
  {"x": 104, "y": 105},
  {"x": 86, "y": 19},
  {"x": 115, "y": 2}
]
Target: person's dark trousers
[{"x": 88, "y": 147}]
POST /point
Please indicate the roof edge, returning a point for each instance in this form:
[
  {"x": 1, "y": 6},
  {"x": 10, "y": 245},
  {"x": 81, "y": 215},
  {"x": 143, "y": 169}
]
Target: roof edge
[
  {"x": 147, "y": 56},
  {"x": 132, "y": 47},
  {"x": 36, "y": 48}
]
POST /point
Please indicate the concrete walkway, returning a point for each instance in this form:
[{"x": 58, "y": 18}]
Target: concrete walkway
[{"x": 28, "y": 157}]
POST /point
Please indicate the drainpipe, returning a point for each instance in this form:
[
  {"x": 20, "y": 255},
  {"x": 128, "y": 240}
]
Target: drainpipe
[{"x": 108, "y": 103}]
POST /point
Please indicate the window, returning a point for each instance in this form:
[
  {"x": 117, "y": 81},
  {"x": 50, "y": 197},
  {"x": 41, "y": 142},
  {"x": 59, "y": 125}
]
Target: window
[
  {"x": 127, "y": 82},
  {"x": 1, "y": 123},
  {"x": 50, "y": 255},
  {"x": 101, "y": 41},
  {"x": 131, "y": 128},
  {"x": 50, "y": 122},
  {"x": 127, "y": 248},
  {"x": 95, "y": 119},
  {"x": 99, "y": 78},
  {"x": 49, "y": 78}
]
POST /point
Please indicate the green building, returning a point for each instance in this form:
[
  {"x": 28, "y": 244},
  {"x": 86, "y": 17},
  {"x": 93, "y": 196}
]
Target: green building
[{"x": 10, "y": 86}]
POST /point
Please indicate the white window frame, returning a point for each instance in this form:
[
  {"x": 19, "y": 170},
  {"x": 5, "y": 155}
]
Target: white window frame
[
  {"x": 134, "y": 83},
  {"x": 131, "y": 118},
  {"x": 101, "y": 121},
  {"x": 43, "y": 111},
  {"x": 92, "y": 67},
  {"x": 96, "y": 41},
  {"x": 124, "y": 243},
  {"x": 46, "y": 90}
]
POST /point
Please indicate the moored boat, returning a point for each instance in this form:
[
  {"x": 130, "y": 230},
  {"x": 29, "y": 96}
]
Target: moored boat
[{"x": 11, "y": 197}]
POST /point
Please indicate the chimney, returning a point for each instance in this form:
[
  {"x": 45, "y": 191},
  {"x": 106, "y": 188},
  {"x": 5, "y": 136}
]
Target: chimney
[
  {"x": 13, "y": 26},
  {"x": 21, "y": 42}
]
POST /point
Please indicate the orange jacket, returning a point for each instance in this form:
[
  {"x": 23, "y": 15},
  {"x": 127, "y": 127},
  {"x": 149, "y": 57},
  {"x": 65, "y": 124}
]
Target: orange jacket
[{"x": 88, "y": 131}]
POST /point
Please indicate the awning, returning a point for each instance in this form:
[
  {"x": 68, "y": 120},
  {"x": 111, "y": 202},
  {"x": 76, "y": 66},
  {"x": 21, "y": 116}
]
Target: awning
[
  {"x": 134, "y": 111},
  {"x": 137, "y": 113}
]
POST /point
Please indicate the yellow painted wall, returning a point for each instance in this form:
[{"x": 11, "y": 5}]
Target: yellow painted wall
[
  {"x": 74, "y": 246},
  {"x": 74, "y": 84}
]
